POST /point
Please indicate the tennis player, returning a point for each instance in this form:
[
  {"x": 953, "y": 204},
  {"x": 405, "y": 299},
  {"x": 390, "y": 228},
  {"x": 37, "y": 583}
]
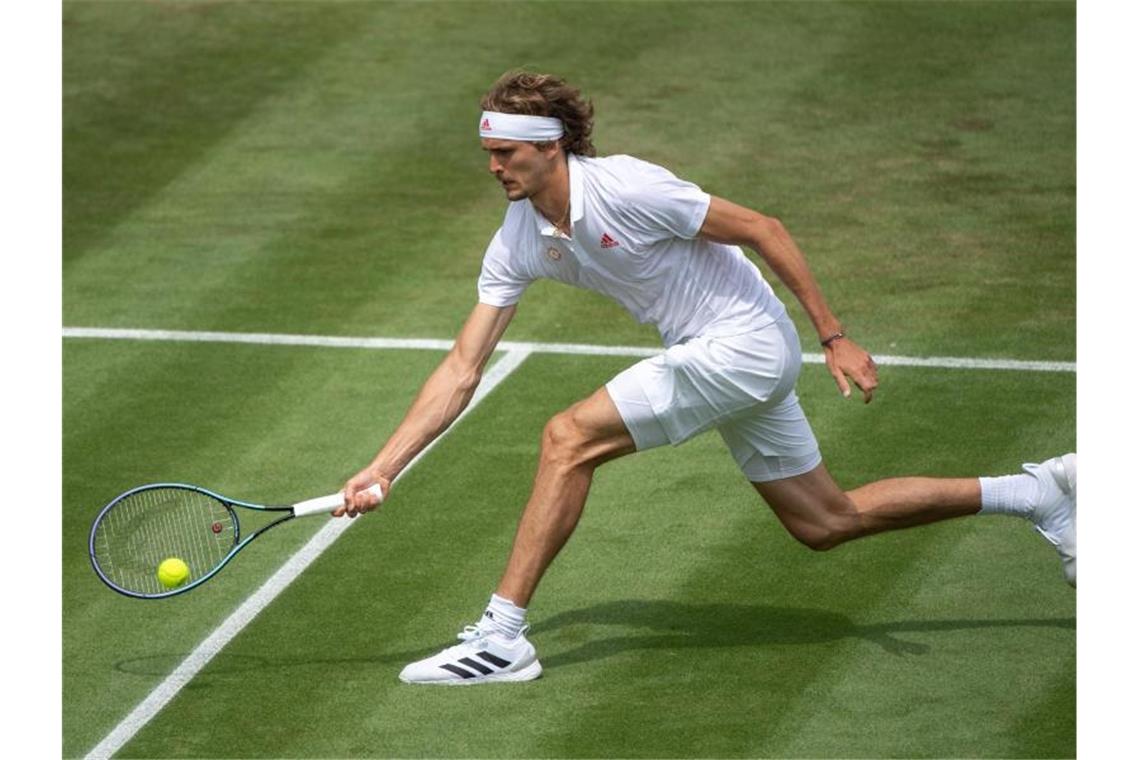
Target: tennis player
[{"x": 671, "y": 255}]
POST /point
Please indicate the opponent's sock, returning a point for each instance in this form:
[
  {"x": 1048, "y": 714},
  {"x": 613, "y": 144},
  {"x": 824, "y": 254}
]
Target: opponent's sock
[
  {"x": 1010, "y": 495},
  {"x": 504, "y": 615}
]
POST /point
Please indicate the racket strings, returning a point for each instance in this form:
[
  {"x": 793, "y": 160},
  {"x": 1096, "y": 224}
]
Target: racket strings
[{"x": 145, "y": 528}]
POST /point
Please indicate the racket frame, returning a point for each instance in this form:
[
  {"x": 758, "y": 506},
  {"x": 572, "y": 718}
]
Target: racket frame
[{"x": 239, "y": 542}]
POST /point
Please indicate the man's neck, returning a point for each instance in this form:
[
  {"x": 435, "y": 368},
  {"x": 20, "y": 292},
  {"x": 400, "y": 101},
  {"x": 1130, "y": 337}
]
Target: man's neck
[{"x": 553, "y": 201}]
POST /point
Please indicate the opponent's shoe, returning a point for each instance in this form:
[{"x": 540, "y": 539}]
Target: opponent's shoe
[
  {"x": 485, "y": 655},
  {"x": 1055, "y": 515}
]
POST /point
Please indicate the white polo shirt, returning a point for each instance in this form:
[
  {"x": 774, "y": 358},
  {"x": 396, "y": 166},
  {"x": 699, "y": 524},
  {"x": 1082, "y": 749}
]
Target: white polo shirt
[{"x": 634, "y": 238}]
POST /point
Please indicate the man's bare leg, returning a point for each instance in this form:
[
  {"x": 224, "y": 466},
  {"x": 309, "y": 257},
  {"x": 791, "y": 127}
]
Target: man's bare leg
[
  {"x": 574, "y": 443},
  {"x": 821, "y": 515}
]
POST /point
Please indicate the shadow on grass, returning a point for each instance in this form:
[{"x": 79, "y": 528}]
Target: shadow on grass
[
  {"x": 676, "y": 625},
  {"x": 657, "y": 624}
]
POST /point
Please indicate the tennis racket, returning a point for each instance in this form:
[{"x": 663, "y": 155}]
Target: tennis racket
[{"x": 145, "y": 526}]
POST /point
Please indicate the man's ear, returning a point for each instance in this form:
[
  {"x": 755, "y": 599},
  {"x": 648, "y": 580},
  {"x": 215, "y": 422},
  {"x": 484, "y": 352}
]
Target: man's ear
[{"x": 549, "y": 149}]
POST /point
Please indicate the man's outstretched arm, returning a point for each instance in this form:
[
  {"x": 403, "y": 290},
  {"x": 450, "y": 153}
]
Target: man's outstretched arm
[
  {"x": 442, "y": 398},
  {"x": 727, "y": 222}
]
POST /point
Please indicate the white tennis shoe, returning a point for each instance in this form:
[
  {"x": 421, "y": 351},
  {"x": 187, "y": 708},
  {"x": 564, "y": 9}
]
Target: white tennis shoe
[
  {"x": 485, "y": 655},
  {"x": 1055, "y": 515}
]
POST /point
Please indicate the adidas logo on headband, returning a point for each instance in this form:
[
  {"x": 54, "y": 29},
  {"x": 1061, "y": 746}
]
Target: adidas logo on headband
[{"x": 514, "y": 126}]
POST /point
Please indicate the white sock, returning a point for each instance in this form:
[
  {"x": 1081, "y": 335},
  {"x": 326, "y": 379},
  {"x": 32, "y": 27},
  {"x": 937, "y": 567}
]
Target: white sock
[
  {"x": 1009, "y": 495},
  {"x": 505, "y": 616}
]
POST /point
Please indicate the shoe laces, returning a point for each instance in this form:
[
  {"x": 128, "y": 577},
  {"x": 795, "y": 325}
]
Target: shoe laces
[
  {"x": 477, "y": 633},
  {"x": 473, "y": 633}
]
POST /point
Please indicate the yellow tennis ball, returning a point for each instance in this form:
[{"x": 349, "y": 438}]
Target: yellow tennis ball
[{"x": 173, "y": 572}]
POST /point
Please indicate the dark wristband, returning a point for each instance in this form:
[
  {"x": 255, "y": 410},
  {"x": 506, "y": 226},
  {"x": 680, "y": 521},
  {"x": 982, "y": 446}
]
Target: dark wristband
[{"x": 828, "y": 341}]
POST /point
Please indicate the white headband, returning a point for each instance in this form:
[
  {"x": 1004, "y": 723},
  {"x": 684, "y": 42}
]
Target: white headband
[{"x": 513, "y": 126}]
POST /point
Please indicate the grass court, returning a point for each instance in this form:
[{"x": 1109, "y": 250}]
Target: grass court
[{"x": 313, "y": 168}]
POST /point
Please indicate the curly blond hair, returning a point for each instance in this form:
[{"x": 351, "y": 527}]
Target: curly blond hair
[{"x": 524, "y": 92}]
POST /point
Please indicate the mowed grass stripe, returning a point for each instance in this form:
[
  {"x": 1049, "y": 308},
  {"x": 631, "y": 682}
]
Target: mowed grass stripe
[
  {"x": 1040, "y": 736},
  {"x": 266, "y": 426},
  {"x": 128, "y": 133}
]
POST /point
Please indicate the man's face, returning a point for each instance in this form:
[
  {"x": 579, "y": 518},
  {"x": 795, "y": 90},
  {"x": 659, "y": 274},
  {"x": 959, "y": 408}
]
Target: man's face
[{"x": 521, "y": 168}]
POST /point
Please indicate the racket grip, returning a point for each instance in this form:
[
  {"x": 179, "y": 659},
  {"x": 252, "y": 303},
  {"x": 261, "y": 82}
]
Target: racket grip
[{"x": 330, "y": 503}]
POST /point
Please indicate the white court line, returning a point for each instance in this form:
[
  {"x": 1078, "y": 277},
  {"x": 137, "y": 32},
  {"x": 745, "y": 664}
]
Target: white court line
[
  {"x": 241, "y": 617},
  {"x": 944, "y": 362}
]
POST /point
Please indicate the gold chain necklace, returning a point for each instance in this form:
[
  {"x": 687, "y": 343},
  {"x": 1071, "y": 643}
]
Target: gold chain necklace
[{"x": 565, "y": 217}]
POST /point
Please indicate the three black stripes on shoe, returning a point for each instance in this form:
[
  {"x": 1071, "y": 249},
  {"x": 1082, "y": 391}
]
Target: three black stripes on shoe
[{"x": 498, "y": 662}]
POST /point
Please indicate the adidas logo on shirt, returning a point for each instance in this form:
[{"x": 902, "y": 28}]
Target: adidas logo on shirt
[{"x": 609, "y": 242}]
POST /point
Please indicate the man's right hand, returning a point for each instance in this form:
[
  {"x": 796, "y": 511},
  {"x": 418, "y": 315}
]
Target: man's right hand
[{"x": 357, "y": 500}]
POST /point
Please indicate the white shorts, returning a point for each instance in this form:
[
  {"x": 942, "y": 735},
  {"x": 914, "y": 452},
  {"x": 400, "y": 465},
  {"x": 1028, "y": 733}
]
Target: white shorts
[{"x": 743, "y": 385}]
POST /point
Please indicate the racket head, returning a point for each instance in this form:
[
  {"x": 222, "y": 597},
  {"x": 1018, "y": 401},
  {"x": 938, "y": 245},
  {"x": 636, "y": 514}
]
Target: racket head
[{"x": 139, "y": 529}]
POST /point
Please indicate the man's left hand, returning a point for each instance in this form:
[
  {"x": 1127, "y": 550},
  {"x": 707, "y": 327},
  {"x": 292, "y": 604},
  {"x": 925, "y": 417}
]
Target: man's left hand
[{"x": 846, "y": 359}]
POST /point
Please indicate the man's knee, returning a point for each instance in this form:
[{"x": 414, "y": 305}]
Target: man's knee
[
  {"x": 822, "y": 524},
  {"x": 564, "y": 440},
  {"x": 586, "y": 434},
  {"x": 813, "y": 508},
  {"x": 819, "y": 536}
]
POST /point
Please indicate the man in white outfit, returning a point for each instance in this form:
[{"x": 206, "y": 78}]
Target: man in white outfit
[{"x": 670, "y": 254}]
